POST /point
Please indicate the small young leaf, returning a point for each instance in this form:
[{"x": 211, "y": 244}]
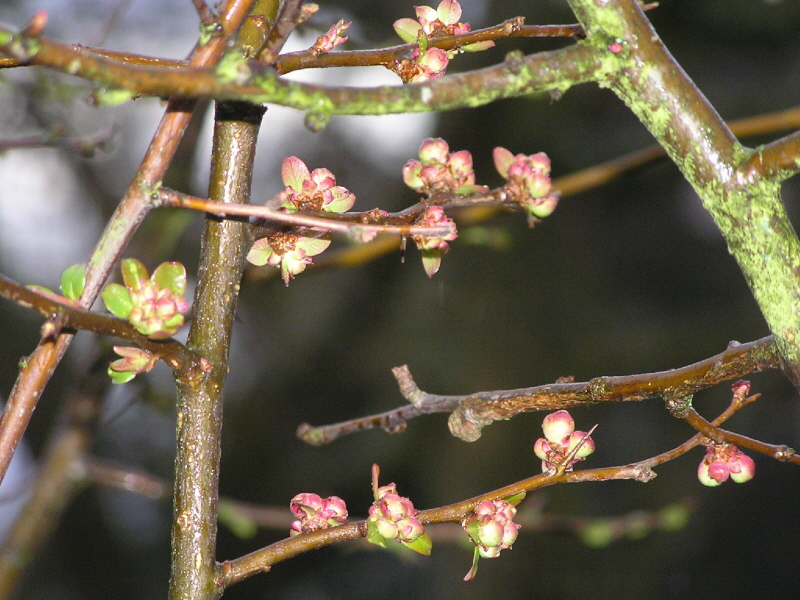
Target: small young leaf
[
  {"x": 171, "y": 275},
  {"x": 120, "y": 377},
  {"x": 133, "y": 272},
  {"x": 72, "y": 280},
  {"x": 515, "y": 499},
  {"x": 474, "y": 570},
  {"x": 374, "y": 536},
  {"x": 422, "y": 544},
  {"x": 260, "y": 252},
  {"x": 117, "y": 300}
]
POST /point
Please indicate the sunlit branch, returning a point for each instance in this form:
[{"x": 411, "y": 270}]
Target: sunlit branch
[{"x": 355, "y": 224}]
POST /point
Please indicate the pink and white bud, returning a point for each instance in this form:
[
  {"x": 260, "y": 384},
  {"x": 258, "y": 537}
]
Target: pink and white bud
[
  {"x": 491, "y": 527},
  {"x": 722, "y": 462},
  {"x": 315, "y": 514},
  {"x": 558, "y": 426},
  {"x": 743, "y": 468},
  {"x": 587, "y": 444},
  {"x": 156, "y": 311},
  {"x": 394, "y": 515}
]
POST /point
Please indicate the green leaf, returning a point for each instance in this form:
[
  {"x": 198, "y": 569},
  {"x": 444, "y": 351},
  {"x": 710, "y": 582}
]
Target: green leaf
[
  {"x": 117, "y": 300},
  {"x": 120, "y": 376},
  {"x": 72, "y": 281},
  {"x": 422, "y": 544},
  {"x": 240, "y": 525},
  {"x": 133, "y": 272},
  {"x": 374, "y": 536},
  {"x": 515, "y": 499},
  {"x": 171, "y": 275},
  {"x": 476, "y": 556},
  {"x": 407, "y": 29},
  {"x": 260, "y": 252}
]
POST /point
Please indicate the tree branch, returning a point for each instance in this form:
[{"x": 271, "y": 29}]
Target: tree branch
[
  {"x": 254, "y": 82},
  {"x": 472, "y": 412},
  {"x": 745, "y": 205}
]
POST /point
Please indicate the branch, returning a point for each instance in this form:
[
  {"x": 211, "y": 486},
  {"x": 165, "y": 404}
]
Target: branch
[
  {"x": 63, "y": 316},
  {"x": 472, "y": 412},
  {"x": 256, "y": 83},
  {"x": 356, "y": 225},
  {"x": 712, "y": 432},
  {"x": 262, "y": 560}
]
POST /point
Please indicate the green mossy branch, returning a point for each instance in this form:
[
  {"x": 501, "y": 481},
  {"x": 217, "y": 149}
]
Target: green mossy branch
[{"x": 254, "y": 82}]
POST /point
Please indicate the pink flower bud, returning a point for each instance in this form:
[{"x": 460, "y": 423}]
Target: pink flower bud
[
  {"x": 575, "y": 438},
  {"x": 314, "y": 513},
  {"x": 743, "y": 468},
  {"x": 558, "y": 426}
]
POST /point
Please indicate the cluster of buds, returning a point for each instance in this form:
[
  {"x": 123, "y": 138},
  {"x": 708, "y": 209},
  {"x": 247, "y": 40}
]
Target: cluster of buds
[
  {"x": 430, "y": 63},
  {"x": 152, "y": 304},
  {"x": 491, "y": 527},
  {"x": 331, "y": 39},
  {"x": 528, "y": 180},
  {"x": 438, "y": 170},
  {"x": 561, "y": 443},
  {"x": 393, "y": 517},
  {"x": 133, "y": 361},
  {"x": 434, "y": 248},
  {"x": 310, "y": 191},
  {"x": 313, "y": 513},
  {"x": 723, "y": 461}
]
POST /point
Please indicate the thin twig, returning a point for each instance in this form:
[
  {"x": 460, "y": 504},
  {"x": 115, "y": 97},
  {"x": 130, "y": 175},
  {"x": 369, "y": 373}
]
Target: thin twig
[{"x": 335, "y": 222}]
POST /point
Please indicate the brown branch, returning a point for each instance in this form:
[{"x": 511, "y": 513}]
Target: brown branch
[
  {"x": 355, "y": 224},
  {"x": 472, "y": 412},
  {"x": 567, "y": 185},
  {"x": 67, "y": 316},
  {"x": 262, "y": 560},
  {"x": 712, "y": 432},
  {"x": 776, "y": 161}
]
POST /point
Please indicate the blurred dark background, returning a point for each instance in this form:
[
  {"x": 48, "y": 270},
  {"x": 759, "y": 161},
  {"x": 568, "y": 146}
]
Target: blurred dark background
[{"x": 627, "y": 278}]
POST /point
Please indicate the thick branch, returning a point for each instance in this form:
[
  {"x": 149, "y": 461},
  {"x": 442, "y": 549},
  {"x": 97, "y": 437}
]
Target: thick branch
[{"x": 744, "y": 203}]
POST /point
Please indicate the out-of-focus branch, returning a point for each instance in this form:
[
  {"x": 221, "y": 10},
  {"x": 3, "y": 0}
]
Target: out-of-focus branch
[
  {"x": 472, "y": 412},
  {"x": 58, "y": 479},
  {"x": 83, "y": 145}
]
